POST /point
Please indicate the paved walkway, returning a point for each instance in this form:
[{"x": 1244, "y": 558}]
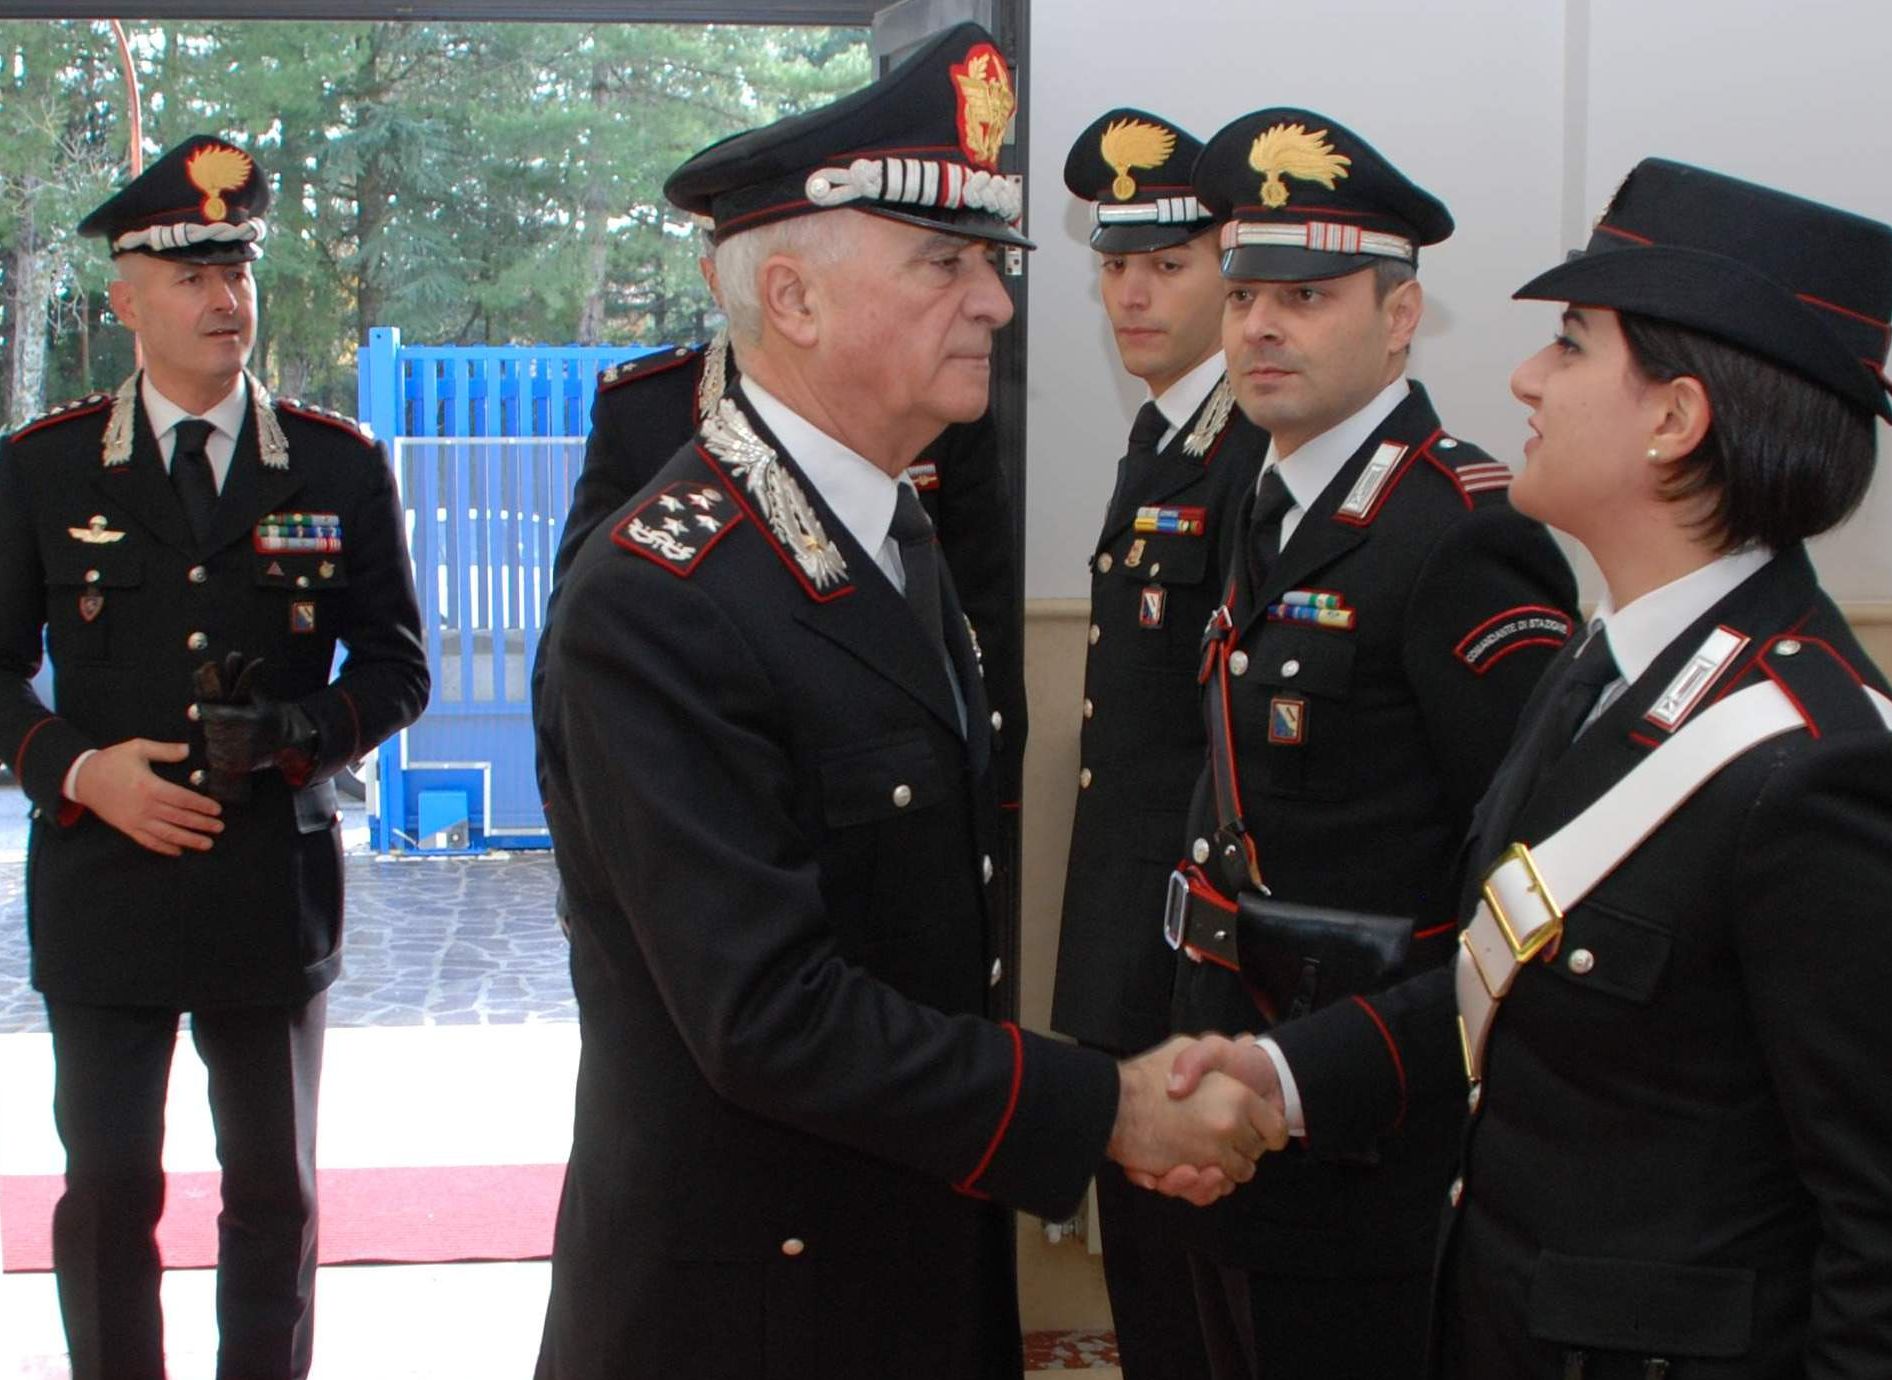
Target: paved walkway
[{"x": 430, "y": 941}]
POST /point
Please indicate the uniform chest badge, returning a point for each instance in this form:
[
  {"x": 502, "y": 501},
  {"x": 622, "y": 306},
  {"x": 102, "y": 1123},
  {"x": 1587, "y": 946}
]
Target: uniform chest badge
[
  {"x": 924, "y": 474},
  {"x": 1151, "y": 606},
  {"x": 1287, "y": 720},
  {"x": 91, "y": 603},
  {"x": 1134, "y": 556},
  {"x": 95, "y": 532}
]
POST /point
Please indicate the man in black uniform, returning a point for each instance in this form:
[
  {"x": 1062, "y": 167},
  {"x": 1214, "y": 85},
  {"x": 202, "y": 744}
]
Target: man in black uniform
[
  {"x": 1676, "y": 1159},
  {"x": 1383, "y": 626},
  {"x": 764, "y": 735},
  {"x": 193, "y": 550},
  {"x": 1156, "y": 575}
]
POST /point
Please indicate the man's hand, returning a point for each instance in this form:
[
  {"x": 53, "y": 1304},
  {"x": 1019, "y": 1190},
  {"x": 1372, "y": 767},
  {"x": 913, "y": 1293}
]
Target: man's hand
[
  {"x": 118, "y": 785},
  {"x": 1213, "y": 1055},
  {"x": 1219, "y": 1129}
]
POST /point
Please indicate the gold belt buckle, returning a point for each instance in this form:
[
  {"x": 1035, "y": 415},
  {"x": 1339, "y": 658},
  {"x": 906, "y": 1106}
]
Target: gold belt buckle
[{"x": 1524, "y": 949}]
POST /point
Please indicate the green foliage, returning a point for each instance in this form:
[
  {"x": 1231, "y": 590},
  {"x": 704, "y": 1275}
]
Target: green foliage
[{"x": 468, "y": 183}]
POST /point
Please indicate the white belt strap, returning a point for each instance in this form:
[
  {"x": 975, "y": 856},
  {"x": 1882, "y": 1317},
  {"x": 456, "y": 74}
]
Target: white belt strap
[{"x": 1528, "y": 890}]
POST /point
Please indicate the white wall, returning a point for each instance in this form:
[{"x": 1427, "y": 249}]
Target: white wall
[{"x": 1522, "y": 115}]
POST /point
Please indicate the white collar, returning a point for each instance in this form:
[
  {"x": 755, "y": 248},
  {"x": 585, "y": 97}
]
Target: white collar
[
  {"x": 163, "y": 414},
  {"x": 1309, "y": 471},
  {"x": 1181, "y": 399},
  {"x": 860, "y": 492},
  {"x": 1640, "y": 629}
]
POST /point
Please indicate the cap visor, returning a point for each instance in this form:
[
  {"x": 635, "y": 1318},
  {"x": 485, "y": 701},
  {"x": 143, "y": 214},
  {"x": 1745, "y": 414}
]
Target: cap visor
[
  {"x": 1717, "y": 296},
  {"x": 974, "y": 225},
  {"x": 1280, "y": 263},
  {"x": 1142, "y": 239}
]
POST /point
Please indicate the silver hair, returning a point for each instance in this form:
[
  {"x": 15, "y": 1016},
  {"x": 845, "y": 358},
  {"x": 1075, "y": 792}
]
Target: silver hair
[{"x": 820, "y": 239}]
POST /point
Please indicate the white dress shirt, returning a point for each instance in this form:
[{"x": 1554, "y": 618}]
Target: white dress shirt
[
  {"x": 1181, "y": 399},
  {"x": 1309, "y": 471},
  {"x": 226, "y": 417}
]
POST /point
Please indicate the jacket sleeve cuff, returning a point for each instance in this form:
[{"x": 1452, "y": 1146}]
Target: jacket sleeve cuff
[
  {"x": 45, "y": 754},
  {"x": 1056, "y": 1123}
]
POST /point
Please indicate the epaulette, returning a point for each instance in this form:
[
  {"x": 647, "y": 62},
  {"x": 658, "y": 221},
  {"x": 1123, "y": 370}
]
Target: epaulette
[
  {"x": 1827, "y": 690},
  {"x": 645, "y": 366},
  {"x": 1468, "y": 469},
  {"x": 65, "y": 412},
  {"x": 676, "y": 526},
  {"x": 341, "y": 421}
]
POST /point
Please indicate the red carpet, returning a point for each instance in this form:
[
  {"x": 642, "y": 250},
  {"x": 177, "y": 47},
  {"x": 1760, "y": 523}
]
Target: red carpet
[{"x": 369, "y": 1216}]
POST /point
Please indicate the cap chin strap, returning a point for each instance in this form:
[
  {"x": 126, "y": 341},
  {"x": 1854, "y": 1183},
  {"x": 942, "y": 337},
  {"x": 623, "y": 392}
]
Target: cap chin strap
[
  {"x": 187, "y": 234},
  {"x": 917, "y": 182},
  {"x": 1323, "y": 236}
]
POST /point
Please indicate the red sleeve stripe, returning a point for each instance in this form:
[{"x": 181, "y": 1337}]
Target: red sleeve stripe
[
  {"x": 1005, "y": 1121},
  {"x": 1434, "y": 931},
  {"x": 1392, "y": 1049},
  {"x": 19, "y": 756}
]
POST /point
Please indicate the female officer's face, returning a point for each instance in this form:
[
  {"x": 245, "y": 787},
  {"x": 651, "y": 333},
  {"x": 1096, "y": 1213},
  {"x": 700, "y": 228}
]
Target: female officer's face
[{"x": 1593, "y": 418}]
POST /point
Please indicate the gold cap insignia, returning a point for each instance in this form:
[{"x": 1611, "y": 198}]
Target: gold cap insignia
[
  {"x": 1131, "y": 144},
  {"x": 1289, "y": 150},
  {"x": 986, "y": 104},
  {"x": 214, "y": 170}
]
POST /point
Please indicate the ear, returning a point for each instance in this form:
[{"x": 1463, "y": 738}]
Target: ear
[
  {"x": 788, "y": 299},
  {"x": 124, "y": 302},
  {"x": 1404, "y": 306},
  {"x": 1683, "y": 418}
]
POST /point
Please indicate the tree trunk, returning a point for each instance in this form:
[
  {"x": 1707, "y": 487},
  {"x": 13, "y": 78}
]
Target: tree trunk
[
  {"x": 29, "y": 291},
  {"x": 597, "y": 217}
]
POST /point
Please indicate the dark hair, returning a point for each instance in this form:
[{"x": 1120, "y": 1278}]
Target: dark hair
[{"x": 1783, "y": 459}]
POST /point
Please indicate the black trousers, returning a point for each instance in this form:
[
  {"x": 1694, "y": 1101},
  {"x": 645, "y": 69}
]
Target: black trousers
[
  {"x": 1152, "y": 1296},
  {"x": 1287, "y": 1327},
  {"x": 112, "y": 1066}
]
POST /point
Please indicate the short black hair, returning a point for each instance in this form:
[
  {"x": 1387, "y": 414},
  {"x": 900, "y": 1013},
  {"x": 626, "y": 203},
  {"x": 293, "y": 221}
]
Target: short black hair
[
  {"x": 1389, "y": 274},
  {"x": 1783, "y": 459}
]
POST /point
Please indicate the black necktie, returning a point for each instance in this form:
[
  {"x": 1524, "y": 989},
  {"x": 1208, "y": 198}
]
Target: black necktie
[
  {"x": 192, "y": 477},
  {"x": 919, "y": 559},
  {"x": 1147, "y": 429},
  {"x": 1575, "y": 685},
  {"x": 1272, "y": 502}
]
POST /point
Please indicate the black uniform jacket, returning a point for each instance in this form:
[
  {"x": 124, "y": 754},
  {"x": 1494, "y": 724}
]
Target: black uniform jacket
[
  {"x": 1361, "y": 753},
  {"x": 790, "y": 1108},
  {"x": 1680, "y": 1147},
  {"x": 1142, "y": 740},
  {"x": 100, "y": 557},
  {"x": 647, "y": 407}
]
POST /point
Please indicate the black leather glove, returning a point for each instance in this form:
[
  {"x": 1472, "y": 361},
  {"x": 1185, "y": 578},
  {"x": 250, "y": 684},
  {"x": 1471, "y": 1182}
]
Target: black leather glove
[{"x": 244, "y": 733}]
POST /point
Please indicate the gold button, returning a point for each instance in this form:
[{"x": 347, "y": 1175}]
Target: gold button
[
  {"x": 1582, "y": 961},
  {"x": 998, "y": 721},
  {"x": 1457, "y": 1192},
  {"x": 197, "y": 642},
  {"x": 985, "y": 867},
  {"x": 1096, "y": 632},
  {"x": 302, "y": 582},
  {"x": 998, "y": 973},
  {"x": 1787, "y": 646},
  {"x": 193, "y": 713},
  {"x": 1290, "y": 667},
  {"x": 1238, "y": 664},
  {"x": 198, "y": 574},
  {"x": 794, "y": 1246},
  {"x": 1199, "y": 850},
  {"x": 1089, "y": 708},
  {"x": 1104, "y": 562},
  {"x": 91, "y": 577},
  {"x": 902, "y": 796},
  {"x": 199, "y": 776},
  {"x": 1084, "y": 779}
]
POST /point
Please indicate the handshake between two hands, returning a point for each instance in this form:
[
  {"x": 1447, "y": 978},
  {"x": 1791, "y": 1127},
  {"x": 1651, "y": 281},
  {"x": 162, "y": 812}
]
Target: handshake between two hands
[{"x": 1194, "y": 1115}]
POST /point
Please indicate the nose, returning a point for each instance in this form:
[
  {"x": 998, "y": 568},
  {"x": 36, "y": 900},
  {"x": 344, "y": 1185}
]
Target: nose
[
  {"x": 1527, "y": 380},
  {"x": 1258, "y": 324},
  {"x": 1135, "y": 292},
  {"x": 223, "y": 294},
  {"x": 989, "y": 301}
]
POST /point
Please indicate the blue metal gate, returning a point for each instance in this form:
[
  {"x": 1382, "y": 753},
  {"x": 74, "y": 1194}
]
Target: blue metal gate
[{"x": 487, "y": 443}]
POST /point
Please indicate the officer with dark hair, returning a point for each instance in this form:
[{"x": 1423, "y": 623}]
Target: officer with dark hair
[
  {"x": 1157, "y": 572},
  {"x": 1671, "y": 990},
  {"x": 1385, "y": 622},
  {"x": 193, "y": 550}
]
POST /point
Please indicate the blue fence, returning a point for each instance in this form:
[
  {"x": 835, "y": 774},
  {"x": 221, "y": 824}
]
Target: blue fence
[{"x": 487, "y": 443}]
